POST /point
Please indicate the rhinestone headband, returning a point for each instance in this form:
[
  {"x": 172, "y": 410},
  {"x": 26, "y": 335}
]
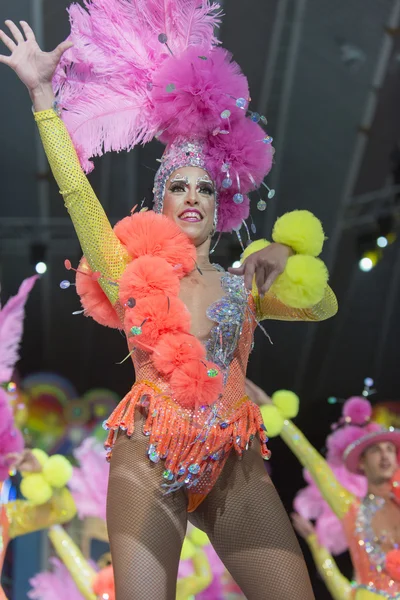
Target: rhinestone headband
[{"x": 182, "y": 153}]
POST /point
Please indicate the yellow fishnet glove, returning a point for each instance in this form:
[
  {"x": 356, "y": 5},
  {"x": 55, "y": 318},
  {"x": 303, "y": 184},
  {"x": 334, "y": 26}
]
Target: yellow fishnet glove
[
  {"x": 339, "y": 587},
  {"x": 25, "y": 518},
  {"x": 190, "y": 586},
  {"x": 81, "y": 571},
  {"x": 101, "y": 247},
  {"x": 270, "y": 307},
  {"x": 338, "y": 498}
]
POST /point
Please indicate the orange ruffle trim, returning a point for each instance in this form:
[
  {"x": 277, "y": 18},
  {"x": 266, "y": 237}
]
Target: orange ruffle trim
[{"x": 193, "y": 450}]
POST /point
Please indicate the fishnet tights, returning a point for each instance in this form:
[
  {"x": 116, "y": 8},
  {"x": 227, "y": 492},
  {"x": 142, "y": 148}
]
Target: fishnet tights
[
  {"x": 250, "y": 530},
  {"x": 242, "y": 515}
]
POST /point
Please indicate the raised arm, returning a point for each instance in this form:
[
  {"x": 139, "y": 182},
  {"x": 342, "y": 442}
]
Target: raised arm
[
  {"x": 35, "y": 69},
  {"x": 190, "y": 586},
  {"x": 338, "y": 498},
  {"x": 24, "y": 518},
  {"x": 81, "y": 571},
  {"x": 338, "y": 585},
  {"x": 101, "y": 247}
]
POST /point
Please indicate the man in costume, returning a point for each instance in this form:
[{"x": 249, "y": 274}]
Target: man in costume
[
  {"x": 130, "y": 72},
  {"x": 371, "y": 521}
]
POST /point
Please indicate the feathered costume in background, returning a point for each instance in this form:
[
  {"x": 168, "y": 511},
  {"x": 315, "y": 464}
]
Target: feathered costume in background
[
  {"x": 152, "y": 68},
  {"x": 11, "y": 330}
]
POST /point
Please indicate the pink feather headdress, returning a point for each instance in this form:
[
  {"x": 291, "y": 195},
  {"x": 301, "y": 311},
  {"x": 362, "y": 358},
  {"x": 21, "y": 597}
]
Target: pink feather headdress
[
  {"x": 142, "y": 69},
  {"x": 11, "y": 330},
  {"x": 309, "y": 503}
]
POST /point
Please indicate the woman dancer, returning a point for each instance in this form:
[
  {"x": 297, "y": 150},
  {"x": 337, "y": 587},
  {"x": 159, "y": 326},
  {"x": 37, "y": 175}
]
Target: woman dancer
[{"x": 155, "y": 67}]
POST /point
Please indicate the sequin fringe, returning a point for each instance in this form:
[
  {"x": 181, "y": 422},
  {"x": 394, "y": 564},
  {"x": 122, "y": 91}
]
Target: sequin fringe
[{"x": 194, "y": 450}]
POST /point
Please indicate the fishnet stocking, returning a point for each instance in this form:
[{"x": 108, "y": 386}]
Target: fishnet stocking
[
  {"x": 146, "y": 529},
  {"x": 242, "y": 515},
  {"x": 250, "y": 530}
]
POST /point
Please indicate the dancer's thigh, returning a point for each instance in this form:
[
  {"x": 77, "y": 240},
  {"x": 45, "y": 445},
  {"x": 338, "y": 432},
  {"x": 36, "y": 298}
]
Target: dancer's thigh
[
  {"x": 146, "y": 529},
  {"x": 250, "y": 530}
]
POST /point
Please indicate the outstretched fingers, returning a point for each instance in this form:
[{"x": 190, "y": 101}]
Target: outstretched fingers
[
  {"x": 28, "y": 31},
  {"x": 7, "y": 41},
  {"x": 18, "y": 37},
  {"x": 61, "y": 48}
]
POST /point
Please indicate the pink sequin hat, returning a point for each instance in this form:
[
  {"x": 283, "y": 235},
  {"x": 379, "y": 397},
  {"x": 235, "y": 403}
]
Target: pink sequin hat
[{"x": 354, "y": 451}]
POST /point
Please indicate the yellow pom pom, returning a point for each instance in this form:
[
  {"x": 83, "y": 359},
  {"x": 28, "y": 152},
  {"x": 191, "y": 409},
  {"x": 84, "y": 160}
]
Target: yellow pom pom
[
  {"x": 40, "y": 456},
  {"x": 254, "y": 247},
  {"x": 273, "y": 419},
  {"x": 303, "y": 282},
  {"x": 188, "y": 549},
  {"x": 300, "y": 230},
  {"x": 199, "y": 538},
  {"x": 287, "y": 403},
  {"x": 36, "y": 489},
  {"x": 57, "y": 471}
]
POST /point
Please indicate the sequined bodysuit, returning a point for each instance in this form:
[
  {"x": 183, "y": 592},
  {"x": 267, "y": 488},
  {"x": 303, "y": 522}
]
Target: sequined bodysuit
[
  {"x": 368, "y": 543},
  {"x": 194, "y": 443},
  {"x": 338, "y": 585}
]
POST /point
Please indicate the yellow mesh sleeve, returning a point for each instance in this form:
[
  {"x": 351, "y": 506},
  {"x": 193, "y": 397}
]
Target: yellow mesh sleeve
[
  {"x": 81, "y": 571},
  {"x": 338, "y": 498},
  {"x": 269, "y": 307},
  {"x": 339, "y": 587},
  {"x": 25, "y": 518},
  {"x": 190, "y": 586},
  {"x": 101, "y": 247}
]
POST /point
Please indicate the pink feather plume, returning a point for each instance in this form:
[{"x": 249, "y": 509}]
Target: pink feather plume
[
  {"x": 358, "y": 410},
  {"x": 205, "y": 84},
  {"x": 11, "y": 329},
  {"x": 89, "y": 481},
  {"x": 104, "y": 81},
  {"x": 244, "y": 149},
  {"x": 231, "y": 215},
  {"x": 310, "y": 504},
  {"x": 56, "y": 584}
]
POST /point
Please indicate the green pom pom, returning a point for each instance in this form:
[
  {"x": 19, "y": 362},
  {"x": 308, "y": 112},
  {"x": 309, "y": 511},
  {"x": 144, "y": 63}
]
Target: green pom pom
[
  {"x": 273, "y": 419},
  {"x": 300, "y": 230},
  {"x": 36, "y": 489},
  {"x": 57, "y": 471},
  {"x": 303, "y": 282},
  {"x": 287, "y": 403}
]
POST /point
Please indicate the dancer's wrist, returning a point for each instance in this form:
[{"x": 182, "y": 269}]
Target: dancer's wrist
[{"x": 42, "y": 97}]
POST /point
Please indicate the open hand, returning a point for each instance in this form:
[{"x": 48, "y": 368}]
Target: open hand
[
  {"x": 34, "y": 67},
  {"x": 303, "y": 527},
  {"x": 265, "y": 265},
  {"x": 24, "y": 462}
]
